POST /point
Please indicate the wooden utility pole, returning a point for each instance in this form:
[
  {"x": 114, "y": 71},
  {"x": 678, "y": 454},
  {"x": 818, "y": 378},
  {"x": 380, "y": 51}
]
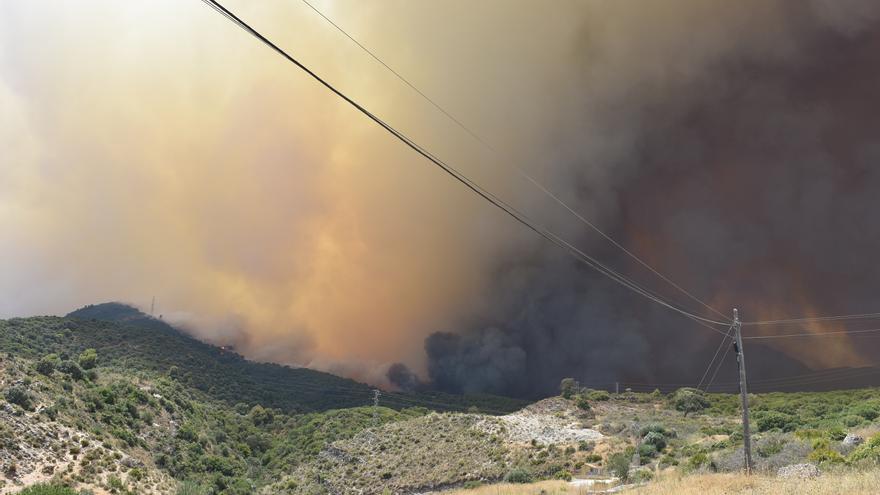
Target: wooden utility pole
[{"x": 743, "y": 392}]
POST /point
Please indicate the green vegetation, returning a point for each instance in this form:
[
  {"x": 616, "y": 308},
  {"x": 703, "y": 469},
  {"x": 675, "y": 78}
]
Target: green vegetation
[
  {"x": 619, "y": 465},
  {"x": 139, "y": 407},
  {"x": 224, "y": 424},
  {"x": 117, "y": 336},
  {"x": 518, "y": 475},
  {"x": 690, "y": 400},
  {"x": 568, "y": 387},
  {"x": 48, "y": 490}
]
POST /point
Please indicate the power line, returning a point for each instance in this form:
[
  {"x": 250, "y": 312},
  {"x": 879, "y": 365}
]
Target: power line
[
  {"x": 714, "y": 374},
  {"x": 814, "y": 319},
  {"x": 474, "y": 187},
  {"x": 714, "y": 356},
  {"x": 522, "y": 172},
  {"x": 397, "y": 74},
  {"x": 818, "y": 334}
]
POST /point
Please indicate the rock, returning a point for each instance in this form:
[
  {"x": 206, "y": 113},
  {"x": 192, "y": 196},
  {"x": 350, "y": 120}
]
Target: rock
[
  {"x": 853, "y": 440},
  {"x": 799, "y": 471},
  {"x": 131, "y": 462}
]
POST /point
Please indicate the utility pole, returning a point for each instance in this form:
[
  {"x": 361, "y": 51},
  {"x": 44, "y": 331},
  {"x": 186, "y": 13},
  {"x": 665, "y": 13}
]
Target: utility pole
[
  {"x": 153, "y": 306},
  {"x": 376, "y": 394},
  {"x": 741, "y": 360}
]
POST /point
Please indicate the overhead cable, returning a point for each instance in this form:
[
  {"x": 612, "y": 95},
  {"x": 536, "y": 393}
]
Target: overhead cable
[
  {"x": 474, "y": 187},
  {"x": 522, "y": 172}
]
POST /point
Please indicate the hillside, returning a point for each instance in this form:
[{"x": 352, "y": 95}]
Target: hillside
[
  {"x": 134, "y": 406},
  {"x": 126, "y": 338},
  {"x": 632, "y": 437},
  {"x": 102, "y": 428}
]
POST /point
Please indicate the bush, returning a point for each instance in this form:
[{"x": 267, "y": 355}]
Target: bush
[
  {"x": 190, "y": 488},
  {"x": 47, "y": 364},
  {"x": 71, "y": 369},
  {"x": 868, "y": 411},
  {"x": 598, "y": 395},
  {"x": 770, "y": 446},
  {"x": 618, "y": 464},
  {"x": 697, "y": 461},
  {"x": 646, "y": 452},
  {"x": 661, "y": 430},
  {"x": 518, "y": 475},
  {"x": 852, "y": 421},
  {"x": 642, "y": 475},
  {"x": 562, "y": 474},
  {"x": 868, "y": 451},
  {"x": 837, "y": 433},
  {"x": 774, "y": 420},
  {"x": 582, "y": 403},
  {"x": 568, "y": 387},
  {"x": 19, "y": 397},
  {"x": 42, "y": 489},
  {"x": 826, "y": 455},
  {"x": 655, "y": 439},
  {"x": 689, "y": 400},
  {"x": 88, "y": 359}
]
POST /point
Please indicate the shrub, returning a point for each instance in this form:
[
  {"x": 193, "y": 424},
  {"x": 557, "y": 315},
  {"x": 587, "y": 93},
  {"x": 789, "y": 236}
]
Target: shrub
[
  {"x": 598, "y": 395},
  {"x": 618, "y": 464},
  {"x": 585, "y": 446},
  {"x": 643, "y": 475},
  {"x": 582, "y": 403},
  {"x": 697, "y": 461},
  {"x": 19, "y": 397},
  {"x": 518, "y": 475},
  {"x": 774, "y": 420},
  {"x": 47, "y": 364},
  {"x": 655, "y": 439},
  {"x": 568, "y": 387},
  {"x": 562, "y": 474},
  {"x": 88, "y": 359},
  {"x": 659, "y": 429},
  {"x": 770, "y": 446},
  {"x": 191, "y": 488},
  {"x": 646, "y": 452},
  {"x": 42, "y": 489},
  {"x": 869, "y": 451},
  {"x": 837, "y": 433},
  {"x": 826, "y": 455},
  {"x": 868, "y": 411},
  {"x": 852, "y": 421},
  {"x": 689, "y": 400},
  {"x": 71, "y": 369}
]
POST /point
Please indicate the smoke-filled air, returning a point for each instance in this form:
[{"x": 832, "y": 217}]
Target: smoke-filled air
[{"x": 153, "y": 149}]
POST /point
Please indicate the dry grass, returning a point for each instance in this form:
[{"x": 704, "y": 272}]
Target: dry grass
[
  {"x": 548, "y": 487},
  {"x": 850, "y": 483}
]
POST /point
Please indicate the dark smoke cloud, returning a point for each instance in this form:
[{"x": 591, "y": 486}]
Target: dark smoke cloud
[
  {"x": 753, "y": 181},
  {"x": 403, "y": 378}
]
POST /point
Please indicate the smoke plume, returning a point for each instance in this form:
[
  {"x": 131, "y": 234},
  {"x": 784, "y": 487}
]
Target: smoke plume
[{"x": 156, "y": 150}]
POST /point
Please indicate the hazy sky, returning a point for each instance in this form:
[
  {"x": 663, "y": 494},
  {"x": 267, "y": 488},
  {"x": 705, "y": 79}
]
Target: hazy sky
[{"x": 154, "y": 149}]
